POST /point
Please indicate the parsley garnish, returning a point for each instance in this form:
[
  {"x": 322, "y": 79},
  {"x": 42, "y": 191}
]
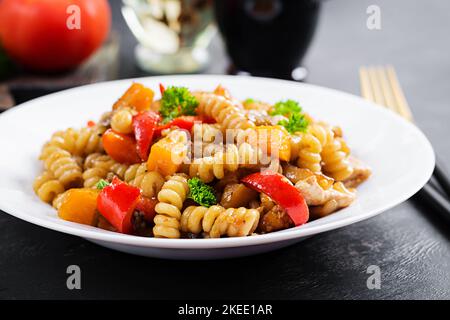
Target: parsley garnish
[
  {"x": 177, "y": 101},
  {"x": 201, "y": 193},
  {"x": 285, "y": 108},
  {"x": 102, "y": 184},
  {"x": 295, "y": 123},
  {"x": 291, "y": 109},
  {"x": 249, "y": 100}
]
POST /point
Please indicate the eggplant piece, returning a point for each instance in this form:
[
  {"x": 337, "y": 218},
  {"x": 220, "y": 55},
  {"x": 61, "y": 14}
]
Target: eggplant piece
[{"x": 237, "y": 195}]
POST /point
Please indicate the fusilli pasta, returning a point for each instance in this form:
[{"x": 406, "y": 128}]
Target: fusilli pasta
[
  {"x": 63, "y": 166},
  {"x": 335, "y": 160},
  {"x": 309, "y": 153},
  {"x": 98, "y": 166},
  {"x": 222, "y": 110},
  {"x": 78, "y": 142},
  {"x": 150, "y": 182},
  {"x": 121, "y": 120},
  {"x": 217, "y": 221},
  {"x": 208, "y": 168},
  {"x": 47, "y": 187},
  {"x": 171, "y": 199}
]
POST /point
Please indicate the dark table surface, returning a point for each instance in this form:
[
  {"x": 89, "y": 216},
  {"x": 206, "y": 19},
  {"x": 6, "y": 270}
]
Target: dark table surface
[{"x": 409, "y": 244}]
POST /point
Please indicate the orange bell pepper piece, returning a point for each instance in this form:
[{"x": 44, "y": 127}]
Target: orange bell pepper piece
[
  {"x": 137, "y": 96},
  {"x": 166, "y": 155},
  {"x": 275, "y": 140},
  {"x": 79, "y": 205},
  {"x": 120, "y": 147}
]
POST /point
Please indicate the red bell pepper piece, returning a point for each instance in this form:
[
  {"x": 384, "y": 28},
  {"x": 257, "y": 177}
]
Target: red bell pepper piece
[
  {"x": 281, "y": 190},
  {"x": 120, "y": 147},
  {"x": 117, "y": 203},
  {"x": 161, "y": 88},
  {"x": 184, "y": 122},
  {"x": 91, "y": 124},
  {"x": 144, "y": 125},
  {"x": 147, "y": 207}
]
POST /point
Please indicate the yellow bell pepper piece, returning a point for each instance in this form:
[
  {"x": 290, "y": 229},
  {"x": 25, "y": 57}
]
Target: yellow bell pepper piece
[
  {"x": 167, "y": 155},
  {"x": 275, "y": 140},
  {"x": 79, "y": 205},
  {"x": 137, "y": 96}
]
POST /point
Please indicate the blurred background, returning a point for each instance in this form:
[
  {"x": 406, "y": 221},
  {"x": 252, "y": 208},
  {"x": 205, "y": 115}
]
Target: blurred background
[{"x": 320, "y": 42}]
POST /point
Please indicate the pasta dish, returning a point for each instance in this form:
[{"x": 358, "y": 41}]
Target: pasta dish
[{"x": 198, "y": 164}]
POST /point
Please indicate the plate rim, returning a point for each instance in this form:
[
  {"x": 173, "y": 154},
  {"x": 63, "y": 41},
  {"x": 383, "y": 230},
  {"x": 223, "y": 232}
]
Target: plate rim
[{"x": 193, "y": 244}]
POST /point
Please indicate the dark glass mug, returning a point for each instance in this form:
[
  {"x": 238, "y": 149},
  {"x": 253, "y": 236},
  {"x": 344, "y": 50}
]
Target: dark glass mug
[{"x": 267, "y": 38}]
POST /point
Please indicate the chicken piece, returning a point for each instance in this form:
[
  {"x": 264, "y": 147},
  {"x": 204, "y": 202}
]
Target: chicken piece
[
  {"x": 295, "y": 174},
  {"x": 275, "y": 219},
  {"x": 237, "y": 195},
  {"x": 325, "y": 200},
  {"x": 361, "y": 173}
]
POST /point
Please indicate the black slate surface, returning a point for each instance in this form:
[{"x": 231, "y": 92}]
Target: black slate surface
[{"x": 409, "y": 244}]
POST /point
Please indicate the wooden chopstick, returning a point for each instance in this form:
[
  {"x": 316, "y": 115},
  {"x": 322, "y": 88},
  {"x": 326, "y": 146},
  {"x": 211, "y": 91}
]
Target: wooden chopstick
[
  {"x": 381, "y": 85},
  {"x": 402, "y": 105}
]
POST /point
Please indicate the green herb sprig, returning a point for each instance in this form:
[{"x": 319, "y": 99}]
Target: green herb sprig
[
  {"x": 201, "y": 193},
  {"x": 177, "y": 101}
]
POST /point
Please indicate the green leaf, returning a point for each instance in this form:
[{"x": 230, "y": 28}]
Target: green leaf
[
  {"x": 201, "y": 193},
  {"x": 102, "y": 184},
  {"x": 285, "y": 108},
  {"x": 177, "y": 101},
  {"x": 295, "y": 123}
]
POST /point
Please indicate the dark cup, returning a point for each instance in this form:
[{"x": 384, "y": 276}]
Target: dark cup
[{"x": 267, "y": 38}]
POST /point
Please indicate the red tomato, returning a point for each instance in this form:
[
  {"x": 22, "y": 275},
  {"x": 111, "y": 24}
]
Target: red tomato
[{"x": 43, "y": 35}]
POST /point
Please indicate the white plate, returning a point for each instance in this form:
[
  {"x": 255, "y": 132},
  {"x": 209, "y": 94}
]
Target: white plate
[{"x": 401, "y": 157}]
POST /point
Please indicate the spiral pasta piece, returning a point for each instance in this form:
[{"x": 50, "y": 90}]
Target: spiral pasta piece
[
  {"x": 335, "y": 160},
  {"x": 64, "y": 167},
  {"x": 321, "y": 131},
  {"x": 59, "y": 199},
  {"x": 150, "y": 182},
  {"x": 309, "y": 153},
  {"x": 208, "y": 168},
  {"x": 78, "y": 142},
  {"x": 99, "y": 166},
  {"x": 228, "y": 115},
  {"x": 217, "y": 221},
  {"x": 207, "y": 133},
  {"x": 122, "y": 120},
  {"x": 47, "y": 187},
  {"x": 171, "y": 199}
]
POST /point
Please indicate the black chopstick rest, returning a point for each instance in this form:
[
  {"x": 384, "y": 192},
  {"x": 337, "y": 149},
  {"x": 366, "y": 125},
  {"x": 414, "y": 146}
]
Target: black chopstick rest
[
  {"x": 442, "y": 177},
  {"x": 436, "y": 201}
]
